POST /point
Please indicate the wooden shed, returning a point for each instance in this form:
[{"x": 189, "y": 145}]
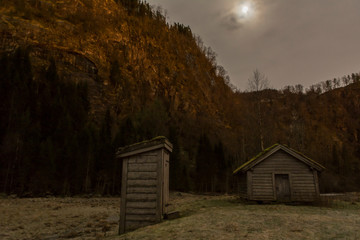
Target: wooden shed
[
  {"x": 279, "y": 174},
  {"x": 145, "y": 183}
]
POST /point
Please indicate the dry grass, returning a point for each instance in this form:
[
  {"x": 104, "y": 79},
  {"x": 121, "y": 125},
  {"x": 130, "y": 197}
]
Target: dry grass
[
  {"x": 225, "y": 218},
  {"x": 58, "y": 218},
  {"x": 202, "y": 217}
]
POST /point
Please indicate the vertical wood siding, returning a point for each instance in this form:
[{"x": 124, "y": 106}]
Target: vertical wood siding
[{"x": 302, "y": 180}]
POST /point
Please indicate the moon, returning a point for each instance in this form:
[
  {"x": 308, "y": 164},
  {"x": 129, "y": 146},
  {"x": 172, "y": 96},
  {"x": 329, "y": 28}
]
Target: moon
[{"x": 245, "y": 9}]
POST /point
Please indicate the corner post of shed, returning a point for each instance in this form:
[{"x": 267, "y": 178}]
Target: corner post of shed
[{"x": 316, "y": 181}]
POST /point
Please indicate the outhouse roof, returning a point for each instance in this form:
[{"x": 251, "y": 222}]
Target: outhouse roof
[
  {"x": 273, "y": 149},
  {"x": 144, "y": 146}
]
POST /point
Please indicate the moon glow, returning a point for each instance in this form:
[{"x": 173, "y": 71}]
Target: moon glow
[{"x": 245, "y": 9}]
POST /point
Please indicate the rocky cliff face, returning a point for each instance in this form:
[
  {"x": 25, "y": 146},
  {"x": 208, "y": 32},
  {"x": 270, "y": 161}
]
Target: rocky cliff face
[
  {"x": 50, "y": 30},
  {"x": 85, "y": 37}
]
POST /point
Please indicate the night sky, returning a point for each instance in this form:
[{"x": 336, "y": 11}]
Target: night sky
[{"x": 290, "y": 41}]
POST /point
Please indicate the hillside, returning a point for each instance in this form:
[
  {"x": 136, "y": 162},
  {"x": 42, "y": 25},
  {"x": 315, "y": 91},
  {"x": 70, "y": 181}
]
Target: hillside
[
  {"x": 142, "y": 76},
  {"x": 323, "y": 126},
  {"x": 115, "y": 50},
  {"x": 80, "y": 78}
]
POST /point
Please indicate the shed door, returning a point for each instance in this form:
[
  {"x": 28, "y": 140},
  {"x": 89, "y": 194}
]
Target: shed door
[{"x": 282, "y": 186}]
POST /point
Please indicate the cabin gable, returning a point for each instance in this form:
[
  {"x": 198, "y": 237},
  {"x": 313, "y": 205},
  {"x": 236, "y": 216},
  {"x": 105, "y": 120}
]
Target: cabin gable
[
  {"x": 301, "y": 178},
  {"x": 279, "y": 175}
]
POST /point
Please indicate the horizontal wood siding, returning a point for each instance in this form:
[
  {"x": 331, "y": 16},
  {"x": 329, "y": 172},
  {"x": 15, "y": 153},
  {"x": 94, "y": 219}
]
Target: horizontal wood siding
[
  {"x": 145, "y": 158},
  {"x": 141, "y": 197},
  {"x": 141, "y": 190},
  {"x": 302, "y": 181},
  {"x": 262, "y": 187},
  {"x": 143, "y": 167},
  {"x": 141, "y": 211},
  {"x": 142, "y": 175},
  {"x": 142, "y": 183},
  {"x": 141, "y": 205}
]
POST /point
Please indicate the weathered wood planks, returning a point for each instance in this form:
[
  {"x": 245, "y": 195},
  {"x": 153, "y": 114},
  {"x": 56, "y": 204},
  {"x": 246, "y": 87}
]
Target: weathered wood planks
[
  {"x": 145, "y": 177},
  {"x": 257, "y": 177}
]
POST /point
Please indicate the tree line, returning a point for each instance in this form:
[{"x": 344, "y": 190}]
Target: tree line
[
  {"x": 324, "y": 86},
  {"x": 49, "y": 144}
]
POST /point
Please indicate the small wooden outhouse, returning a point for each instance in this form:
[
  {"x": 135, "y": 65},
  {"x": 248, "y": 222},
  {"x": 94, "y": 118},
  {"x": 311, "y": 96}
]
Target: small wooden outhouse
[
  {"x": 145, "y": 183},
  {"x": 279, "y": 174}
]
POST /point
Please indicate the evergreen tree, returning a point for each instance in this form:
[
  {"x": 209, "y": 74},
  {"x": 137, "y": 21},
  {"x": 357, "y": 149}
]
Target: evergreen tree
[{"x": 204, "y": 172}]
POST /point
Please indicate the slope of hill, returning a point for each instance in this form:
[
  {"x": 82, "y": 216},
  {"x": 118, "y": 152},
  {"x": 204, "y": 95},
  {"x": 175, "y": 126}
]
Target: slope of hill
[
  {"x": 142, "y": 76},
  {"x": 323, "y": 126},
  {"x": 117, "y": 51},
  {"x": 80, "y": 78}
]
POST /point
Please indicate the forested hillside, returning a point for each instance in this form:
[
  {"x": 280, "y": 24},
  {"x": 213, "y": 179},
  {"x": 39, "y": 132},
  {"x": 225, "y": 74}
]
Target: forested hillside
[{"x": 80, "y": 78}]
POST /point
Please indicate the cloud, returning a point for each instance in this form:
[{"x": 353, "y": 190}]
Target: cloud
[
  {"x": 233, "y": 16},
  {"x": 308, "y": 40},
  {"x": 232, "y": 22}
]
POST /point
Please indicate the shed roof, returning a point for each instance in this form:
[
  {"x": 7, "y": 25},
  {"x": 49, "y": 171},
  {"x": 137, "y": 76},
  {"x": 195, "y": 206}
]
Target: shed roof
[
  {"x": 273, "y": 149},
  {"x": 145, "y": 146}
]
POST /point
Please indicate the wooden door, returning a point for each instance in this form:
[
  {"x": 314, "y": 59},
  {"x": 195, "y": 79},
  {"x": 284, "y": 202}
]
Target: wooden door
[{"x": 282, "y": 186}]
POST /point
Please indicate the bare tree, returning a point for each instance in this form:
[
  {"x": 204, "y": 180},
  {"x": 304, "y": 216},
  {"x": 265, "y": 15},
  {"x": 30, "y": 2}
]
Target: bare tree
[
  {"x": 256, "y": 83},
  {"x": 299, "y": 89}
]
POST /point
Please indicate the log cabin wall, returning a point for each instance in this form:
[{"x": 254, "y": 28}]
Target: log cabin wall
[
  {"x": 302, "y": 179},
  {"x": 139, "y": 200},
  {"x": 145, "y": 185}
]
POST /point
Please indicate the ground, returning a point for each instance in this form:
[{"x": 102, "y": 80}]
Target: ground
[
  {"x": 202, "y": 217},
  {"x": 58, "y": 218}
]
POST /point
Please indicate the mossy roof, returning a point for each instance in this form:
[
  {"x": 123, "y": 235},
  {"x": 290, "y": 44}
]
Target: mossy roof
[
  {"x": 258, "y": 158},
  {"x": 254, "y": 158},
  {"x": 145, "y": 144}
]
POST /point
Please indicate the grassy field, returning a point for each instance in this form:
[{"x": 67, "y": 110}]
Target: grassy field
[
  {"x": 58, "y": 218},
  {"x": 202, "y": 217},
  {"x": 226, "y": 218}
]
